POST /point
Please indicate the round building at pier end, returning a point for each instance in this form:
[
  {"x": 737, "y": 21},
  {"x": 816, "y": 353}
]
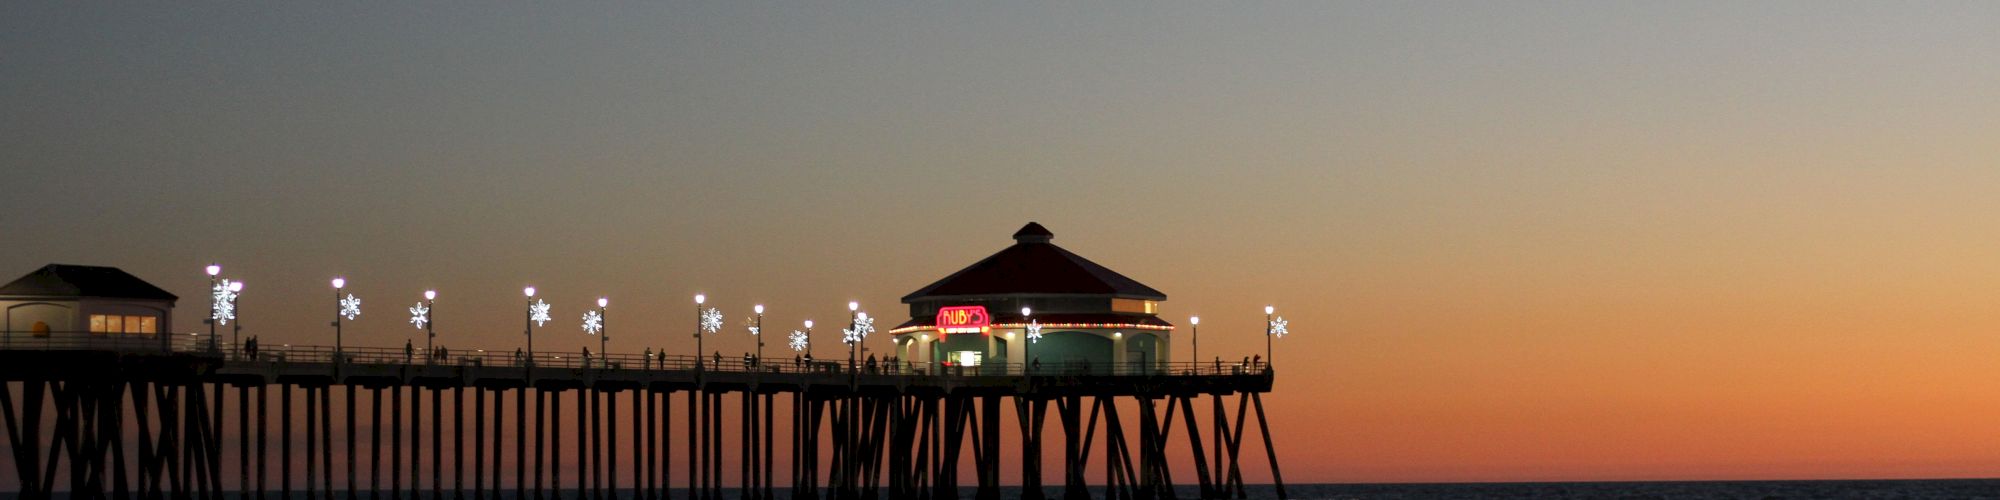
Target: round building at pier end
[{"x": 1036, "y": 308}]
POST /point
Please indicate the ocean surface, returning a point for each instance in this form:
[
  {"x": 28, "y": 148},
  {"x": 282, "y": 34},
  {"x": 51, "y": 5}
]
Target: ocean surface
[{"x": 1899, "y": 489}]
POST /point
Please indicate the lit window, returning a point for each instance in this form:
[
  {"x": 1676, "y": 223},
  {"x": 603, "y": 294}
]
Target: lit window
[{"x": 137, "y": 325}]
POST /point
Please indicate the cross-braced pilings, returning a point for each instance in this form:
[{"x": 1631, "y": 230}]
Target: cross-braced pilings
[{"x": 157, "y": 426}]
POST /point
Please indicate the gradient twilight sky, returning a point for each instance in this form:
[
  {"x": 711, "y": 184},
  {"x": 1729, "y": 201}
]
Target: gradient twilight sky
[{"x": 1517, "y": 241}]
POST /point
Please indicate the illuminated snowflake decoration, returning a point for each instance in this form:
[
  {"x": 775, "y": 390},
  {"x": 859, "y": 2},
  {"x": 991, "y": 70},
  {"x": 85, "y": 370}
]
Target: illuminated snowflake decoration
[
  {"x": 539, "y": 312},
  {"x": 420, "y": 314},
  {"x": 711, "y": 320},
  {"x": 798, "y": 340},
  {"x": 224, "y": 308},
  {"x": 1278, "y": 327},
  {"x": 593, "y": 322},
  {"x": 350, "y": 307},
  {"x": 863, "y": 326},
  {"x": 1034, "y": 332}
]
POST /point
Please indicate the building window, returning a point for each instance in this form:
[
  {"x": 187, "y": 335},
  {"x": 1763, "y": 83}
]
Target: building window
[{"x": 112, "y": 323}]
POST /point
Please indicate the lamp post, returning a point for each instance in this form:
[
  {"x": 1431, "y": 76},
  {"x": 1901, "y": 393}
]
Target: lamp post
[
  {"x": 420, "y": 317},
  {"x": 236, "y": 330},
  {"x": 214, "y": 299},
  {"x": 698, "y": 300},
  {"x": 853, "y": 332},
  {"x": 430, "y": 322},
  {"x": 166, "y": 342},
  {"x": 538, "y": 313},
  {"x": 1032, "y": 335},
  {"x": 604, "y": 333},
  {"x": 1268, "y": 310},
  {"x": 344, "y": 307},
  {"x": 809, "y": 338},
  {"x": 758, "y": 331},
  {"x": 593, "y": 324},
  {"x": 1195, "y": 321}
]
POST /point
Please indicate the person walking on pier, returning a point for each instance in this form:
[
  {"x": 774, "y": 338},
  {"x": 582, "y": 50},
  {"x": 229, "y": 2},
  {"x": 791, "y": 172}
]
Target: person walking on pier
[
  {"x": 409, "y": 351},
  {"x": 648, "y": 363}
]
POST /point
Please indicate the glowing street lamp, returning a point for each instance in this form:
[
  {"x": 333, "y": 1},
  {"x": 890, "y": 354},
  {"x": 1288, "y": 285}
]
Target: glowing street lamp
[
  {"x": 707, "y": 320},
  {"x": 1033, "y": 330},
  {"x": 851, "y": 335},
  {"x": 420, "y": 316},
  {"x": 593, "y": 324},
  {"x": 538, "y": 313},
  {"x": 347, "y": 307},
  {"x": 215, "y": 298},
  {"x": 1268, "y": 324},
  {"x": 1195, "y": 323},
  {"x": 858, "y": 327},
  {"x": 757, "y": 330},
  {"x": 221, "y": 305},
  {"x": 699, "y": 299},
  {"x": 236, "y": 330}
]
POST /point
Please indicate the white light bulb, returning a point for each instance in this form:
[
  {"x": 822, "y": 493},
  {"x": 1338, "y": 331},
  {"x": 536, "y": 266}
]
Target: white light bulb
[
  {"x": 430, "y": 295},
  {"x": 603, "y": 301},
  {"x": 340, "y": 282},
  {"x": 529, "y": 291},
  {"x": 236, "y": 286},
  {"x": 853, "y": 306},
  {"x": 699, "y": 298},
  {"x": 759, "y": 308},
  {"x": 1117, "y": 334},
  {"x": 809, "y": 324},
  {"x": 214, "y": 269},
  {"x": 1269, "y": 309},
  {"x": 1194, "y": 320},
  {"x": 1026, "y": 311}
]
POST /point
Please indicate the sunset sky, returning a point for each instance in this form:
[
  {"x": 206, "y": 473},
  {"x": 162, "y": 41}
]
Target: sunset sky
[{"x": 1516, "y": 241}]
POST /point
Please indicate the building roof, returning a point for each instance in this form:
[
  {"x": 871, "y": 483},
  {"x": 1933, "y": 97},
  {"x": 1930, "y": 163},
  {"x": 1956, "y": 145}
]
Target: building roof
[
  {"x": 1033, "y": 265},
  {"x": 1057, "y": 320},
  {"x": 62, "y": 280}
]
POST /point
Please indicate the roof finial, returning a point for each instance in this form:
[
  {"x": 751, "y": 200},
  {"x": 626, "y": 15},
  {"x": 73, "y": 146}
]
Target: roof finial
[{"x": 1033, "y": 233}]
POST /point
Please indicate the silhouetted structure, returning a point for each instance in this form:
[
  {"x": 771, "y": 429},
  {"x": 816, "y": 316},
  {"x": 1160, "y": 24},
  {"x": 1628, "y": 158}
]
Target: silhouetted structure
[{"x": 143, "y": 416}]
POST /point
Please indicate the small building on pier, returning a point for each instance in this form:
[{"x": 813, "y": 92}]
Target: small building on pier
[
  {"x": 69, "y": 302},
  {"x": 1090, "y": 319}
]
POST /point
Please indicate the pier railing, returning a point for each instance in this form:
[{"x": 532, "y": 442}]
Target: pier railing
[{"x": 199, "y": 345}]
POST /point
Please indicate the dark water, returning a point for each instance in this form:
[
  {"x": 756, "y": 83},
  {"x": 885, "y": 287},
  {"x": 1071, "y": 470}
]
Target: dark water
[{"x": 1899, "y": 489}]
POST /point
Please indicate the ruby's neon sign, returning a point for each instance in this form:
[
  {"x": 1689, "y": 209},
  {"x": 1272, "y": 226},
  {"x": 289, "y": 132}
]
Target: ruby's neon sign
[{"x": 962, "y": 319}]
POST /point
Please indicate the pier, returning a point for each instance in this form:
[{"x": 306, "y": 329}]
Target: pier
[{"x": 145, "y": 419}]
